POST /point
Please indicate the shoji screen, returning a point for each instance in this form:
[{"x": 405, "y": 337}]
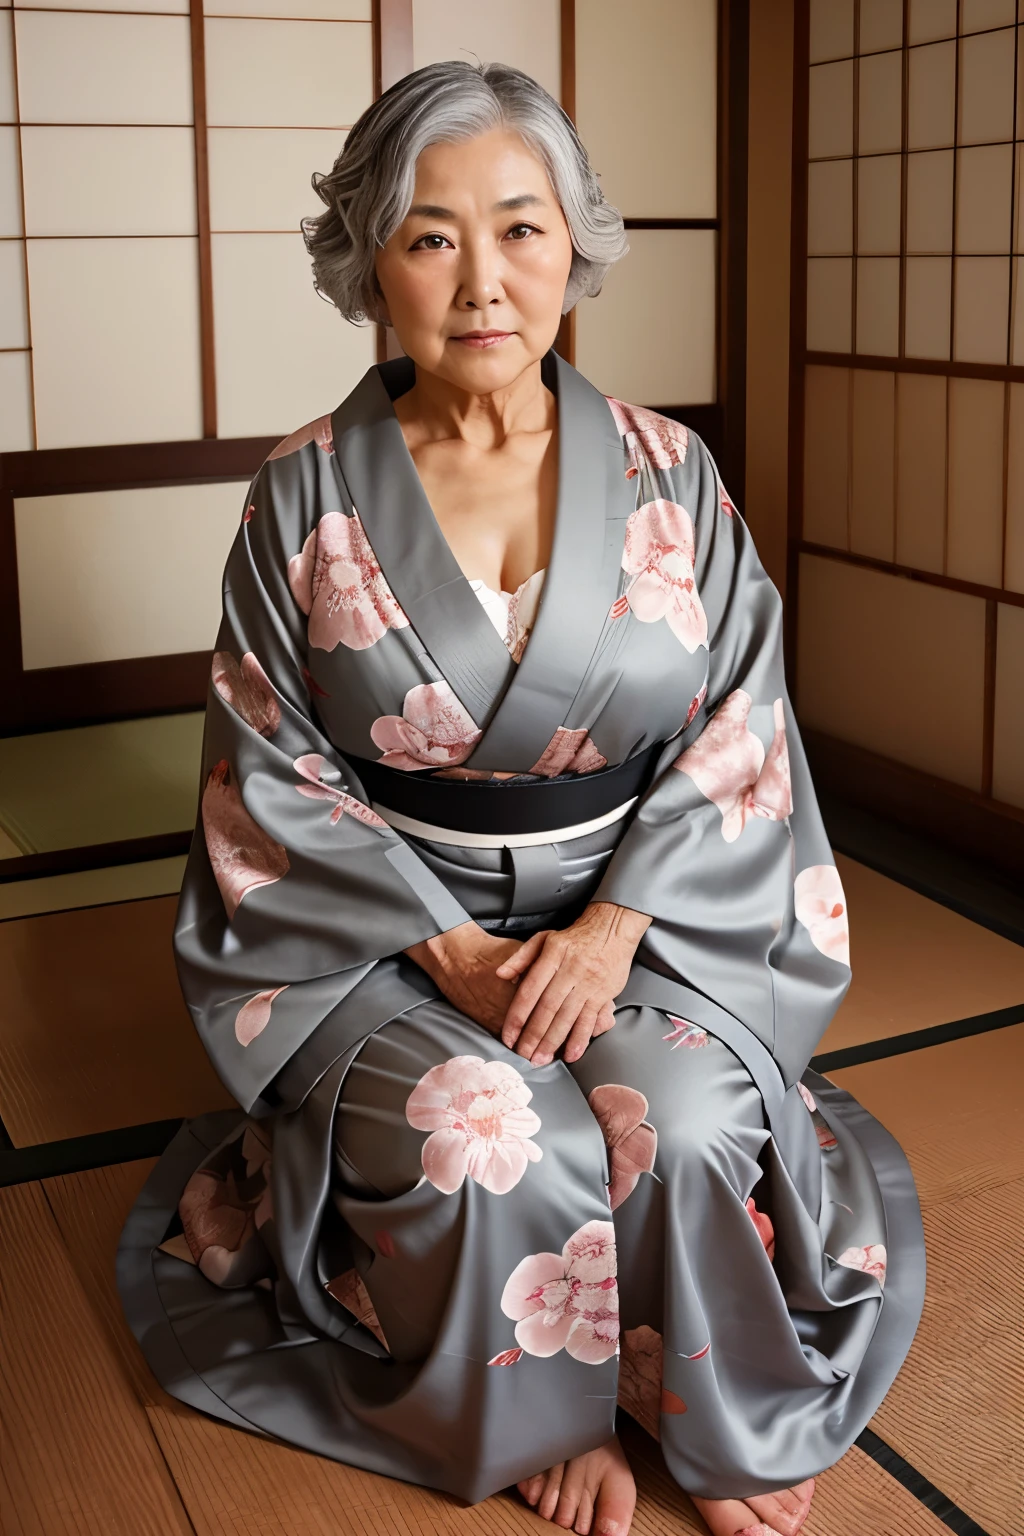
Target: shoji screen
[
  {"x": 158, "y": 325},
  {"x": 652, "y": 133},
  {"x": 911, "y": 547}
]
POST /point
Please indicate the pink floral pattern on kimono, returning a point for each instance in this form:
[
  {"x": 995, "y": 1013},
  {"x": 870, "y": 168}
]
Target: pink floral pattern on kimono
[
  {"x": 242, "y": 856},
  {"x": 433, "y": 730},
  {"x": 569, "y": 752},
  {"x": 658, "y": 554},
  {"x": 729, "y": 766},
  {"x": 337, "y": 581},
  {"x": 254, "y": 1016},
  {"x": 871, "y": 1260},
  {"x": 248, "y": 691},
  {"x": 690, "y": 1036},
  {"x": 522, "y": 614},
  {"x": 349, "y": 1290},
  {"x": 822, "y": 1130},
  {"x": 312, "y": 767},
  {"x": 640, "y": 1372},
  {"x": 478, "y": 1114},
  {"x": 222, "y": 1212},
  {"x": 320, "y": 432},
  {"x": 661, "y": 440},
  {"x": 820, "y": 904},
  {"x": 765, "y": 1230},
  {"x": 568, "y": 1300},
  {"x": 632, "y": 1142}
]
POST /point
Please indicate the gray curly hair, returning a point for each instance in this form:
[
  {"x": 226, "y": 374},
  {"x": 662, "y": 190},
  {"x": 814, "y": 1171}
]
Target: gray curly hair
[{"x": 370, "y": 189}]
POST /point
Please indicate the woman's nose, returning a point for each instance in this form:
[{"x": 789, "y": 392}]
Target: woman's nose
[{"x": 480, "y": 281}]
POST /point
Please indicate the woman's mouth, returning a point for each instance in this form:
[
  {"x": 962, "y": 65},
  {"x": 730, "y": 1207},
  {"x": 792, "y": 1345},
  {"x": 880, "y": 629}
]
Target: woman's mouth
[{"x": 483, "y": 338}]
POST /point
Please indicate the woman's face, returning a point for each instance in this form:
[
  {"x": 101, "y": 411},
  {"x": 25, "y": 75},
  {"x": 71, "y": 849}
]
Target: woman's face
[{"x": 484, "y": 247}]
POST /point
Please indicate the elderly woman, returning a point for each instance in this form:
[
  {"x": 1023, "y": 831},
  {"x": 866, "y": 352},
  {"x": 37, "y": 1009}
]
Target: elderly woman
[{"x": 510, "y": 920}]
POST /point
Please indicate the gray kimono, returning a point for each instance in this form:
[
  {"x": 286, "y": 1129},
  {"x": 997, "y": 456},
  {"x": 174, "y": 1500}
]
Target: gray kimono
[{"x": 409, "y": 1249}]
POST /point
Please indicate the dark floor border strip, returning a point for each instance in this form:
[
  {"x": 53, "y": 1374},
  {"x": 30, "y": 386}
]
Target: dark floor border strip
[
  {"x": 925, "y": 1492},
  {"x": 918, "y": 1039},
  {"x": 77, "y": 1154},
  {"x": 67, "y": 861}
]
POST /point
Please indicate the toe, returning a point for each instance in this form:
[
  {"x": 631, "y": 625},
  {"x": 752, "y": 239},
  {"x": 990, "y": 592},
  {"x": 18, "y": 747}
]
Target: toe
[
  {"x": 549, "y": 1497},
  {"x": 531, "y": 1487},
  {"x": 783, "y": 1511},
  {"x": 585, "y": 1514}
]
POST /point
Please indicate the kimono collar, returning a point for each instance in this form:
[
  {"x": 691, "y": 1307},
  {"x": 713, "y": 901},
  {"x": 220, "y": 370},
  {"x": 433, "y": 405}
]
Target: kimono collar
[{"x": 519, "y": 708}]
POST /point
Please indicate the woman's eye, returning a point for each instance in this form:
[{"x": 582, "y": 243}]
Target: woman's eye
[
  {"x": 530, "y": 230},
  {"x": 420, "y": 241}
]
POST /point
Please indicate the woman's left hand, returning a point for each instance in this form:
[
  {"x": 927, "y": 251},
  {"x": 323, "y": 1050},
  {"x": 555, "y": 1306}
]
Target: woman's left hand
[{"x": 570, "y": 979}]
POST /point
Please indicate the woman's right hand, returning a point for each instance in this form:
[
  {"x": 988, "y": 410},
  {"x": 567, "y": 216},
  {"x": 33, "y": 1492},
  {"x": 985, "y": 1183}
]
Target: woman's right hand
[{"x": 462, "y": 963}]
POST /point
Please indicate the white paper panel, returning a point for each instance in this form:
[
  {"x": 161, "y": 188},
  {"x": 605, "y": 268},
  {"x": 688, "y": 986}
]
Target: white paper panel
[
  {"x": 830, "y": 208},
  {"x": 977, "y": 15},
  {"x": 984, "y": 199},
  {"x": 260, "y": 177},
  {"x": 981, "y": 309},
  {"x": 115, "y": 332},
  {"x": 881, "y": 25},
  {"x": 974, "y": 541},
  {"x": 109, "y": 181},
  {"x": 873, "y": 464},
  {"x": 104, "y": 69},
  {"x": 7, "y": 112},
  {"x": 322, "y": 10},
  {"x": 15, "y": 402},
  {"x": 878, "y": 199},
  {"x": 653, "y": 143},
  {"x": 829, "y": 301},
  {"x": 882, "y": 662},
  {"x": 921, "y": 471},
  {"x": 830, "y": 109},
  {"x": 169, "y": 7},
  {"x": 826, "y": 456},
  {"x": 878, "y": 305},
  {"x": 287, "y": 74},
  {"x": 831, "y": 29},
  {"x": 1008, "y": 754},
  {"x": 526, "y": 35},
  {"x": 930, "y": 202},
  {"x": 986, "y": 87},
  {"x": 113, "y": 574},
  {"x": 931, "y": 96},
  {"x": 10, "y": 183},
  {"x": 649, "y": 337},
  {"x": 880, "y": 121},
  {"x": 13, "y": 314},
  {"x": 284, "y": 356},
  {"x": 930, "y": 19},
  {"x": 927, "y": 307}
]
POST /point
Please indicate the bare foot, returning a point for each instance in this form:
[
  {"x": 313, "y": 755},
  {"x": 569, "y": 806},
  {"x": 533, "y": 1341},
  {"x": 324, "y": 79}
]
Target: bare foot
[
  {"x": 592, "y": 1493},
  {"x": 768, "y": 1514}
]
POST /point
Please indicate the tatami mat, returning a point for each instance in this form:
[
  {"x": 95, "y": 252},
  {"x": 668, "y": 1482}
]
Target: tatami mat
[
  {"x": 100, "y": 783},
  {"x": 954, "y": 1411},
  {"x": 233, "y": 1484},
  {"x": 93, "y": 1031},
  {"x": 916, "y": 963},
  {"x": 91, "y": 887}
]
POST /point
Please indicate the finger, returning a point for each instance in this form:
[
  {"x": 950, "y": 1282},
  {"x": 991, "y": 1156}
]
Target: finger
[
  {"x": 542, "y": 1014},
  {"x": 605, "y": 1020},
  {"x": 581, "y": 1033},
  {"x": 560, "y": 1028},
  {"x": 523, "y": 958},
  {"x": 530, "y": 988}
]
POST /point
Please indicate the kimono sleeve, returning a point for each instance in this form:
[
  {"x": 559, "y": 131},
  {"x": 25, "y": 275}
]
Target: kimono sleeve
[
  {"x": 727, "y": 851},
  {"x": 294, "y": 886}
]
